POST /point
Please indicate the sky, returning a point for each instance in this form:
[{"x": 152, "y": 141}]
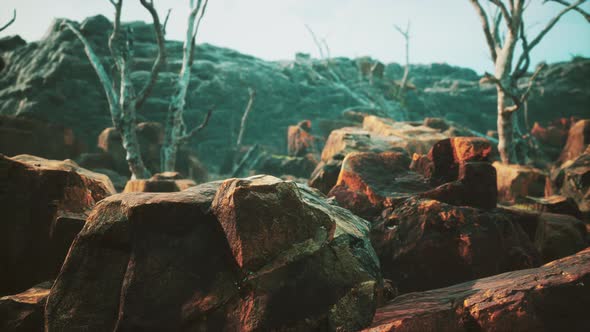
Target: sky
[{"x": 441, "y": 30}]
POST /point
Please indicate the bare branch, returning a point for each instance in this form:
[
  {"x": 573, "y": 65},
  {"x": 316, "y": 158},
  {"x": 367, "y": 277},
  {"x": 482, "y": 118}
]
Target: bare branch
[
  {"x": 196, "y": 130},
  {"x": 489, "y": 78},
  {"x": 525, "y": 95},
  {"x": 166, "y": 21},
  {"x": 525, "y": 60},
  {"x": 316, "y": 41},
  {"x": 486, "y": 28},
  {"x": 496, "y": 31},
  {"x": 326, "y": 48},
  {"x": 505, "y": 13},
  {"x": 98, "y": 67},
  {"x": 252, "y": 93},
  {"x": 552, "y": 23},
  {"x": 9, "y": 22},
  {"x": 567, "y": 4},
  {"x": 160, "y": 59},
  {"x": 406, "y": 34}
]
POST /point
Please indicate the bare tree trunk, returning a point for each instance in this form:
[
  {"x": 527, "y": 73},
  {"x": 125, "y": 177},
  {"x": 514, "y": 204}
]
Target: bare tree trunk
[
  {"x": 505, "y": 129},
  {"x": 9, "y": 23}
]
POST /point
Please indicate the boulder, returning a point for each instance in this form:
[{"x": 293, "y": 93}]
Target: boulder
[
  {"x": 424, "y": 244},
  {"x": 244, "y": 254},
  {"x": 44, "y": 205},
  {"x": 448, "y": 154},
  {"x": 280, "y": 165},
  {"x": 368, "y": 181},
  {"x": 414, "y": 138},
  {"x": 577, "y": 141},
  {"x": 325, "y": 175},
  {"x": 352, "y": 139},
  {"x": 23, "y": 312},
  {"x": 553, "y": 204},
  {"x": 516, "y": 182},
  {"x": 559, "y": 235},
  {"x": 572, "y": 179},
  {"x": 39, "y": 138},
  {"x": 159, "y": 183},
  {"x": 300, "y": 141},
  {"x": 554, "y": 297}
]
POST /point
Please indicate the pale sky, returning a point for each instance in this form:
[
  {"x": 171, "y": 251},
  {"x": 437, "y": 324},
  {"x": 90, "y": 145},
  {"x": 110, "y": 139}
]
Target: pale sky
[{"x": 442, "y": 30}]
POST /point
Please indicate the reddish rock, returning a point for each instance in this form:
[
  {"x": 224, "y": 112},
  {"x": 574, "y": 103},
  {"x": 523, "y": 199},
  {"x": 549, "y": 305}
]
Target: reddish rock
[
  {"x": 164, "y": 261},
  {"x": 325, "y": 175},
  {"x": 577, "y": 141},
  {"x": 368, "y": 181},
  {"x": 23, "y": 312},
  {"x": 44, "y": 204},
  {"x": 516, "y": 182},
  {"x": 351, "y": 139},
  {"x": 300, "y": 141},
  {"x": 447, "y": 155},
  {"x": 26, "y": 136},
  {"x": 554, "y": 297},
  {"x": 552, "y": 135},
  {"x": 425, "y": 244}
]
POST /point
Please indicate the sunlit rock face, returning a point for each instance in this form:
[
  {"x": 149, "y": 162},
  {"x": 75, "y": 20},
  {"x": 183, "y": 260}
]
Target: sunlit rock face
[
  {"x": 245, "y": 254},
  {"x": 553, "y": 297},
  {"x": 44, "y": 204}
]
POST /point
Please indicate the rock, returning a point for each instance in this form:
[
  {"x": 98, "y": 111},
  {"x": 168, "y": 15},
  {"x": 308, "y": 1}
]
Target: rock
[
  {"x": 278, "y": 165},
  {"x": 159, "y": 183},
  {"x": 559, "y": 235},
  {"x": 553, "y": 204},
  {"x": 9, "y": 43},
  {"x": 413, "y": 138},
  {"x": 425, "y": 244},
  {"x": 139, "y": 263},
  {"x": 23, "y": 312},
  {"x": 574, "y": 181},
  {"x": 44, "y": 204},
  {"x": 325, "y": 175},
  {"x": 577, "y": 141},
  {"x": 300, "y": 141},
  {"x": 516, "y": 182},
  {"x": 436, "y": 123},
  {"x": 119, "y": 181},
  {"x": 25, "y": 136},
  {"x": 351, "y": 139},
  {"x": 94, "y": 160},
  {"x": 447, "y": 155},
  {"x": 368, "y": 181},
  {"x": 553, "y": 297}
]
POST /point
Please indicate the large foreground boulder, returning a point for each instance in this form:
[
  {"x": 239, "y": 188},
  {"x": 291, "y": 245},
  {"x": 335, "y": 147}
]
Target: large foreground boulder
[
  {"x": 425, "y": 244},
  {"x": 554, "y": 297},
  {"x": 44, "y": 204},
  {"x": 246, "y": 254}
]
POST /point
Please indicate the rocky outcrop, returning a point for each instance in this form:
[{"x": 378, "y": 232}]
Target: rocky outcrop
[
  {"x": 424, "y": 244},
  {"x": 577, "y": 140},
  {"x": 245, "y": 254},
  {"x": 23, "y": 312},
  {"x": 44, "y": 204},
  {"x": 553, "y": 297}
]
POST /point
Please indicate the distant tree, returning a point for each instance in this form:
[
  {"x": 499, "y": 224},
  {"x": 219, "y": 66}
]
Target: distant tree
[
  {"x": 502, "y": 50},
  {"x": 9, "y": 23},
  {"x": 124, "y": 103},
  {"x": 406, "y": 34}
]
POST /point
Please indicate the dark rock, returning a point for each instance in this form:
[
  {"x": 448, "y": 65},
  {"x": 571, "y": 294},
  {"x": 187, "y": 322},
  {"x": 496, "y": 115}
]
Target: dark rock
[
  {"x": 553, "y": 297},
  {"x": 300, "y": 141},
  {"x": 25, "y": 136},
  {"x": 44, "y": 204},
  {"x": 280, "y": 165},
  {"x": 9, "y": 43},
  {"x": 159, "y": 183},
  {"x": 325, "y": 175},
  {"x": 139, "y": 263},
  {"x": 425, "y": 244},
  {"x": 23, "y": 312}
]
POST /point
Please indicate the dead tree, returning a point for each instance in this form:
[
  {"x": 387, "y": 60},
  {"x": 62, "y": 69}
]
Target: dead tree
[
  {"x": 124, "y": 103},
  {"x": 252, "y": 94},
  {"x": 9, "y": 23},
  {"x": 502, "y": 51},
  {"x": 177, "y": 132},
  {"x": 406, "y": 34},
  {"x": 567, "y": 4}
]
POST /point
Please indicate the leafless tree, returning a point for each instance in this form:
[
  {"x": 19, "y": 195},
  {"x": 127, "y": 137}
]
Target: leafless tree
[
  {"x": 406, "y": 34},
  {"x": 502, "y": 50},
  {"x": 177, "y": 132},
  {"x": 9, "y": 23},
  {"x": 124, "y": 103},
  {"x": 567, "y": 4}
]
